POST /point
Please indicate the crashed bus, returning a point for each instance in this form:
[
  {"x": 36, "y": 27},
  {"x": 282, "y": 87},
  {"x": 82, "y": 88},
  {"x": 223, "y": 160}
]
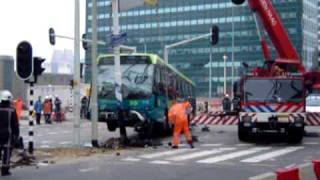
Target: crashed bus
[{"x": 149, "y": 85}]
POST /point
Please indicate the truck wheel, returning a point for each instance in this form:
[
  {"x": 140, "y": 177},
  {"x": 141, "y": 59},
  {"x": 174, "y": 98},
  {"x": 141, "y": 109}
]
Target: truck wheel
[
  {"x": 112, "y": 126},
  {"x": 243, "y": 134},
  {"x": 295, "y": 135}
]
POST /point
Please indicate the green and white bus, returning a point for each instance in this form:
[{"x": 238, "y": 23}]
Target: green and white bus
[{"x": 149, "y": 85}]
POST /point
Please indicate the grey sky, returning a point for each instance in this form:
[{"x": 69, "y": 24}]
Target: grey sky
[{"x": 30, "y": 20}]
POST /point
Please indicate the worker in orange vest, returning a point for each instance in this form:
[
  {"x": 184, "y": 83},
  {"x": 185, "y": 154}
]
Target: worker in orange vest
[
  {"x": 178, "y": 116},
  {"x": 18, "y": 105}
]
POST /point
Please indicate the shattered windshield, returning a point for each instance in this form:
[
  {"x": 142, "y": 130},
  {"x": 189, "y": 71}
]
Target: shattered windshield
[
  {"x": 273, "y": 90},
  {"x": 136, "y": 78}
]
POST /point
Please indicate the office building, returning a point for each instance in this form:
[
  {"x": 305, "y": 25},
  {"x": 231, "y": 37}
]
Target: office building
[{"x": 150, "y": 28}]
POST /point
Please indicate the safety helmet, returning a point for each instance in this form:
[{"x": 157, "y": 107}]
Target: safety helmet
[{"x": 6, "y": 96}]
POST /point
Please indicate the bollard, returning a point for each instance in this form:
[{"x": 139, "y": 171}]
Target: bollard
[
  {"x": 288, "y": 174},
  {"x": 316, "y": 168}
]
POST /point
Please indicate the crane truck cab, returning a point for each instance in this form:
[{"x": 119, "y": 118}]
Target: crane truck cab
[{"x": 272, "y": 104}]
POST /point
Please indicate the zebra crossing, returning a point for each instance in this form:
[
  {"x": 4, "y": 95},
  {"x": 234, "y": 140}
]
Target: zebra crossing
[{"x": 215, "y": 154}]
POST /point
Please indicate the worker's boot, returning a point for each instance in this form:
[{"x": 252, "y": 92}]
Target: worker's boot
[
  {"x": 191, "y": 144},
  {"x": 5, "y": 171},
  {"x": 175, "y": 147}
]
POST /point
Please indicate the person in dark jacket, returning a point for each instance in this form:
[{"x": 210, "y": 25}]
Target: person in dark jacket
[
  {"x": 9, "y": 131},
  {"x": 226, "y": 103},
  {"x": 57, "y": 109}
]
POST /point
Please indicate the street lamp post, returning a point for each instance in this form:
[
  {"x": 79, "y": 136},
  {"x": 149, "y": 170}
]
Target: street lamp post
[
  {"x": 232, "y": 56},
  {"x": 225, "y": 57},
  {"x": 210, "y": 75}
]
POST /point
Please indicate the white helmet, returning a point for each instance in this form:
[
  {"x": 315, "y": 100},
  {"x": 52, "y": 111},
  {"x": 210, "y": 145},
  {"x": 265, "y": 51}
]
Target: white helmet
[{"x": 6, "y": 96}]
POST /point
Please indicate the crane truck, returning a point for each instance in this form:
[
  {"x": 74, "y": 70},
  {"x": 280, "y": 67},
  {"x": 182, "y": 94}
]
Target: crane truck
[{"x": 272, "y": 98}]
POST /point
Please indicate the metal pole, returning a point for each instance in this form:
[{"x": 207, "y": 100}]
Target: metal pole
[
  {"x": 210, "y": 75},
  {"x": 225, "y": 74},
  {"x": 187, "y": 41},
  {"x": 232, "y": 55},
  {"x": 145, "y": 47},
  {"x": 31, "y": 122},
  {"x": 166, "y": 54},
  {"x": 76, "y": 109},
  {"x": 118, "y": 78},
  {"x": 94, "y": 99},
  {"x": 116, "y": 31}
]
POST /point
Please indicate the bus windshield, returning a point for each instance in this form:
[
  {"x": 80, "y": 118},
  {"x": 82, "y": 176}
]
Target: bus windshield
[
  {"x": 274, "y": 90},
  {"x": 137, "y": 77}
]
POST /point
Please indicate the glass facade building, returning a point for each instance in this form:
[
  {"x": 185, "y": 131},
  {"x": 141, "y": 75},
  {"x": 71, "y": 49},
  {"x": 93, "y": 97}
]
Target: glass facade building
[{"x": 151, "y": 28}]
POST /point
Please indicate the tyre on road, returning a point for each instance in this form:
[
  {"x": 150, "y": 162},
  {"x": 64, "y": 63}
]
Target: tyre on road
[
  {"x": 295, "y": 135},
  {"x": 243, "y": 133}
]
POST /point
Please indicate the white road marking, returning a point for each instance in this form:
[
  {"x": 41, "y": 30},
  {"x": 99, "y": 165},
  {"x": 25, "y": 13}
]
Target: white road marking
[
  {"x": 243, "y": 145},
  {"x": 86, "y": 170},
  {"x": 53, "y": 133},
  {"x": 271, "y": 154},
  {"x": 65, "y": 142},
  {"x": 211, "y": 145},
  {"x": 310, "y": 143},
  {"x": 44, "y": 146},
  {"x": 166, "y": 153},
  {"x": 200, "y": 154},
  {"x": 160, "y": 162},
  {"x": 232, "y": 155},
  {"x": 46, "y": 142},
  {"x": 42, "y": 164},
  {"x": 131, "y": 159},
  {"x": 262, "y": 176}
]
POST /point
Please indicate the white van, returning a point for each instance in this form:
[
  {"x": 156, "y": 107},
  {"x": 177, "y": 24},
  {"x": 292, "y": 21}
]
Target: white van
[{"x": 313, "y": 103}]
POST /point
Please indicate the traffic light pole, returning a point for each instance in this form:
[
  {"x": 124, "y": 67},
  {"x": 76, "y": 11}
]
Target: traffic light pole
[
  {"x": 76, "y": 77},
  {"x": 168, "y": 47},
  {"x": 31, "y": 121},
  {"x": 118, "y": 78},
  {"x": 94, "y": 99}
]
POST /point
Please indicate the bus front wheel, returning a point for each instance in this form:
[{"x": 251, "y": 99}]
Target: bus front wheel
[{"x": 112, "y": 126}]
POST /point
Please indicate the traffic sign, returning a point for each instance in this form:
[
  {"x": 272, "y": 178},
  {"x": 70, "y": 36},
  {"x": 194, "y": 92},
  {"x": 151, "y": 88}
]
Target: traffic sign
[{"x": 118, "y": 39}]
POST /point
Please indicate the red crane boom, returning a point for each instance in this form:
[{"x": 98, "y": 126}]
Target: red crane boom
[{"x": 266, "y": 18}]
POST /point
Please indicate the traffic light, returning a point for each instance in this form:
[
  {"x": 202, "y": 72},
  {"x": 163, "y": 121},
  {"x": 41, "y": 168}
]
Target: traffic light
[
  {"x": 238, "y": 2},
  {"x": 52, "y": 36},
  {"x": 84, "y": 42},
  {"x": 214, "y": 35},
  {"x": 37, "y": 66},
  {"x": 24, "y": 63}
]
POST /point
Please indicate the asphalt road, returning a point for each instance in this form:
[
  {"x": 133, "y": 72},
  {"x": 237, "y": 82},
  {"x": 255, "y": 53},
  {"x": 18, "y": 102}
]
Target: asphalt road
[{"x": 218, "y": 155}]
